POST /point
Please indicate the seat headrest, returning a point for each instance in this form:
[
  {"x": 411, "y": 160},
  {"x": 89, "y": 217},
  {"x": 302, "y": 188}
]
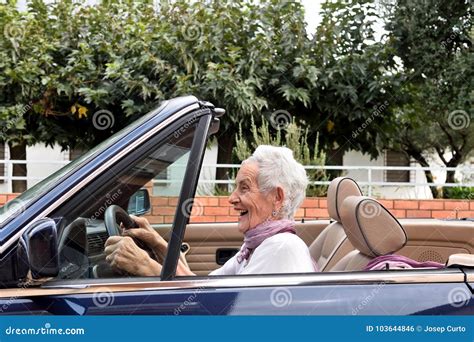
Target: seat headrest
[
  {"x": 339, "y": 189},
  {"x": 370, "y": 227}
]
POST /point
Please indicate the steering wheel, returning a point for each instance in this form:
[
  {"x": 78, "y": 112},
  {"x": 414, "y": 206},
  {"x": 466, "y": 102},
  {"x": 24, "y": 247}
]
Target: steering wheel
[{"x": 113, "y": 217}]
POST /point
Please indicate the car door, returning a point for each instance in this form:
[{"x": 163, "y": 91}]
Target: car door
[
  {"x": 412, "y": 292},
  {"x": 408, "y": 292}
]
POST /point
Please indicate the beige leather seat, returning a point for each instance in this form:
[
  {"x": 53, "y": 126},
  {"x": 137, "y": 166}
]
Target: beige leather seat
[
  {"x": 371, "y": 229},
  {"x": 332, "y": 244}
]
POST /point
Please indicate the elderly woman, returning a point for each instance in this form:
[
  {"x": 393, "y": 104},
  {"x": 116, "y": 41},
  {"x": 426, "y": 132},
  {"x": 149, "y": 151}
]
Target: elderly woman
[{"x": 270, "y": 186}]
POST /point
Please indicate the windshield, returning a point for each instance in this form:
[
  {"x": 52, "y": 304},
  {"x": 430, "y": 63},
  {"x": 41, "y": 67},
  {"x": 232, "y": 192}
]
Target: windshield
[{"x": 21, "y": 202}]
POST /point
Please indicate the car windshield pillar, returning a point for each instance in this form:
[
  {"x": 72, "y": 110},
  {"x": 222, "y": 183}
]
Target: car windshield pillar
[{"x": 186, "y": 197}]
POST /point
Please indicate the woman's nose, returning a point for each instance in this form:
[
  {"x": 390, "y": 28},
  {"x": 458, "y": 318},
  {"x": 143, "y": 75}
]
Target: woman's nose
[{"x": 233, "y": 198}]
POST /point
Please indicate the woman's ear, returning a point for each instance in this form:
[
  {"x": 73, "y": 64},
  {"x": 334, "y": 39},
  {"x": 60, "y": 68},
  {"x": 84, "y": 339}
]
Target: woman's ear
[{"x": 279, "y": 197}]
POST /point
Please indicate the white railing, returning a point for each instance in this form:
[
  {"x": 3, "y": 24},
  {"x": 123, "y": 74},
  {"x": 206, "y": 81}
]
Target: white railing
[
  {"x": 368, "y": 180},
  {"x": 8, "y": 177},
  {"x": 370, "y": 183}
]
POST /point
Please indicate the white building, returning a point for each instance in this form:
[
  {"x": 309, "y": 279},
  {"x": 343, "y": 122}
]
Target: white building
[{"x": 43, "y": 161}]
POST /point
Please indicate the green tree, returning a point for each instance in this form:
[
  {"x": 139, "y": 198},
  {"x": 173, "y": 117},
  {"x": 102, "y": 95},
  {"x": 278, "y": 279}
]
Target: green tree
[
  {"x": 410, "y": 90},
  {"x": 248, "y": 57},
  {"x": 67, "y": 63},
  {"x": 350, "y": 104},
  {"x": 434, "y": 107},
  {"x": 64, "y": 64},
  {"x": 58, "y": 67}
]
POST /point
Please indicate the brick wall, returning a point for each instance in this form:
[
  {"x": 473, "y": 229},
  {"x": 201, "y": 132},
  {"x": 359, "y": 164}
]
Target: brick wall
[
  {"x": 218, "y": 209},
  {"x": 4, "y": 198}
]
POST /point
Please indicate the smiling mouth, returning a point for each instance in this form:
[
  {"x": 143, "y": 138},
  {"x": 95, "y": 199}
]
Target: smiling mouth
[{"x": 242, "y": 212}]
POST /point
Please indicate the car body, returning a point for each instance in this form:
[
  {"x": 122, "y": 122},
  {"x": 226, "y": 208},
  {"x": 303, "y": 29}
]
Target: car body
[{"x": 175, "y": 134}]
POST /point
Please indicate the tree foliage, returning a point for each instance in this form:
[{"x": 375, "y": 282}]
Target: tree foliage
[
  {"x": 62, "y": 64},
  {"x": 70, "y": 60},
  {"x": 354, "y": 81},
  {"x": 433, "y": 108}
]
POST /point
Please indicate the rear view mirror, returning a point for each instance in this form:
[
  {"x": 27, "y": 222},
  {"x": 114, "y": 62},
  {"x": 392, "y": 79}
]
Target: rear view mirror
[
  {"x": 38, "y": 250},
  {"x": 139, "y": 203}
]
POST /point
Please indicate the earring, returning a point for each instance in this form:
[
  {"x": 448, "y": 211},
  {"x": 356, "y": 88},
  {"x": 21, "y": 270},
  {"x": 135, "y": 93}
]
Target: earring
[{"x": 274, "y": 213}]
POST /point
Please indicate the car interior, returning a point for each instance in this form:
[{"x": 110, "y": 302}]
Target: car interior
[
  {"x": 86, "y": 221},
  {"x": 347, "y": 242},
  {"x": 338, "y": 244}
]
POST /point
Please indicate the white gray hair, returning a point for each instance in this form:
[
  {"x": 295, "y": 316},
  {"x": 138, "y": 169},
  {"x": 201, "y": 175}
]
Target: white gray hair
[{"x": 278, "y": 168}]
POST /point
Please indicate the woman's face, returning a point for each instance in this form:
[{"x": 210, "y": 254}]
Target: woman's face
[{"x": 254, "y": 206}]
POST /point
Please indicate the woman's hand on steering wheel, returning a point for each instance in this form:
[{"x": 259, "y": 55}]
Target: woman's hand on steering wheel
[
  {"x": 124, "y": 255},
  {"x": 147, "y": 235},
  {"x": 126, "y": 251}
]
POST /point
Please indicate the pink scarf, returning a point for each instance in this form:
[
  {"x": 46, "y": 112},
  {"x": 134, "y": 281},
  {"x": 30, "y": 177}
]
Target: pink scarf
[
  {"x": 393, "y": 261},
  {"x": 254, "y": 237}
]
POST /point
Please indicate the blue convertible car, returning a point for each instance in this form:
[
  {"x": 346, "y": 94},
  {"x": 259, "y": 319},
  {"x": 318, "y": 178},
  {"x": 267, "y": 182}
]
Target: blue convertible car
[{"x": 52, "y": 236}]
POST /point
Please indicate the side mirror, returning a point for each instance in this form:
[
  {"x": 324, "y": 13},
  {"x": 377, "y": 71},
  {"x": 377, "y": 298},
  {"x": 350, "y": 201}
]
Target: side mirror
[
  {"x": 139, "y": 203},
  {"x": 38, "y": 249}
]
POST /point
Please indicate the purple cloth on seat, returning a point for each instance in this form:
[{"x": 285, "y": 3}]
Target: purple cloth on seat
[{"x": 393, "y": 261}]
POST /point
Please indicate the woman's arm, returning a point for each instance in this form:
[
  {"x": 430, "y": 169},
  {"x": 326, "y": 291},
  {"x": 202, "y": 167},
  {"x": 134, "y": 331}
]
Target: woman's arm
[
  {"x": 159, "y": 245},
  {"x": 183, "y": 269},
  {"x": 123, "y": 254}
]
